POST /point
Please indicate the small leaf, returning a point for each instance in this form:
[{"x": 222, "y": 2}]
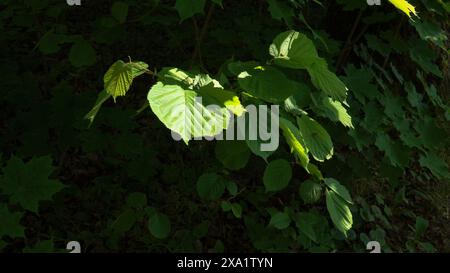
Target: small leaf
[
  {"x": 118, "y": 79},
  {"x": 236, "y": 209},
  {"x": 277, "y": 175},
  {"x": 310, "y": 191},
  {"x": 233, "y": 154},
  {"x": 124, "y": 222},
  {"x": 10, "y": 223},
  {"x": 188, "y": 8},
  {"x": 101, "y": 98},
  {"x": 280, "y": 220},
  {"x": 28, "y": 183},
  {"x": 159, "y": 225},
  {"x": 305, "y": 222},
  {"x": 137, "y": 200},
  {"x": 280, "y": 11},
  {"x": 210, "y": 186},
  {"x": 119, "y": 11},
  {"x": 82, "y": 54},
  {"x": 421, "y": 226},
  {"x": 436, "y": 165}
]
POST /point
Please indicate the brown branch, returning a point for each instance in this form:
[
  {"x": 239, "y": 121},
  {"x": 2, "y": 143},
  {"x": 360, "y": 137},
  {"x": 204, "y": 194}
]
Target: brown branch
[
  {"x": 348, "y": 43},
  {"x": 397, "y": 32},
  {"x": 200, "y": 35}
]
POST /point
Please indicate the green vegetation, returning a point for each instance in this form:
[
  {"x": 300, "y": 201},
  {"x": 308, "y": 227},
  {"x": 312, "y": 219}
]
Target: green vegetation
[{"x": 91, "y": 93}]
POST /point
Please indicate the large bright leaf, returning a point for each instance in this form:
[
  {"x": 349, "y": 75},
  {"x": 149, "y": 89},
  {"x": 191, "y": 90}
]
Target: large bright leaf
[
  {"x": 316, "y": 138},
  {"x": 339, "y": 211},
  {"x": 293, "y": 49},
  {"x": 404, "y": 6},
  {"x": 182, "y": 112},
  {"x": 120, "y": 75}
]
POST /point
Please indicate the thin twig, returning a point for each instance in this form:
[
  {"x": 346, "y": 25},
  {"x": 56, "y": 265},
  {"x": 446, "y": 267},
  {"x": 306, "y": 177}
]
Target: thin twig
[
  {"x": 348, "y": 42},
  {"x": 200, "y": 35},
  {"x": 397, "y": 32}
]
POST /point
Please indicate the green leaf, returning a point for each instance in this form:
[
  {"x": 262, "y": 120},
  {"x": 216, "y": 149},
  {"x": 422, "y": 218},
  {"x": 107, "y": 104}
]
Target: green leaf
[
  {"x": 82, "y": 54},
  {"x": 267, "y": 83},
  {"x": 188, "y": 8},
  {"x": 233, "y": 154},
  {"x": 226, "y": 206},
  {"x": 255, "y": 147},
  {"x": 210, "y": 186},
  {"x": 295, "y": 142},
  {"x": 119, "y": 11},
  {"x": 28, "y": 183},
  {"x": 224, "y": 97},
  {"x": 101, "y": 98},
  {"x": 316, "y": 138},
  {"x": 359, "y": 82},
  {"x": 425, "y": 57},
  {"x": 397, "y": 153},
  {"x": 181, "y": 111},
  {"x": 120, "y": 75},
  {"x": 280, "y": 11},
  {"x": 421, "y": 226},
  {"x": 280, "y": 220},
  {"x": 232, "y": 188},
  {"x": 310, "y": 191},
  {"x": 430, "y": 31},
  {"x": 10, "y": 223},
  {"x": 277, "y": 175},
  {"x": 136, "y": 200},
  {"x": 334, "y": 110},
  {"x": 327, "y": 81},
  {"x": 49, "y": 43},
  {"x": 404, "y": 6},
  {"x": 236, "y": 209},
  {"x": 124, "y": 222},
  {"x": 159, "y": 225},
  {"x": 339, "y": 189},
  {"x": 294, "y": 50},
  {"x": 339, "y": 212},
  {"x": 304, "y": 223},
  {"x": 175, "y": 76},
  {"x": 436, "y": 165},
  {"x": 118, "y": 78},
  {"x": 218, "y": 2}
]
